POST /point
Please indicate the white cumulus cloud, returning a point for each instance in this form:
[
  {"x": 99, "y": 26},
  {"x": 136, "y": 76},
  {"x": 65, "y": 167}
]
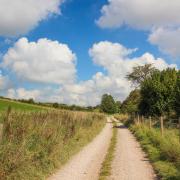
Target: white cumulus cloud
[
  {"x": 159, "y": 17},
  {"x": 141, "y": 14},
  {"x": 26, "y": 94},
  {"x": 4, "y": 82},
  {"x": 20, "y": 16},
  {"x": 114, "y": 58},
  {"x": 44, "y": 61},
  {"x": 168, "y": 40},
  {"x": 117, "y": 61},
  {"x": 22, "y": 93}
]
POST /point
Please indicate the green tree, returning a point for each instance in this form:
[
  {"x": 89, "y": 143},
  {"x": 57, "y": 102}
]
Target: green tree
[
  {"x": 131, "y": 103},
  {"x": 108, "y": 104},
  {"x": 140, "y": 73},
  {"x": 31, "y": 101},
  {"x": 158, "y": 93},
  {"x": 118, "y": 106},
  {"x": 177, "y": 98},
  {"x": 55, "y": 105}
]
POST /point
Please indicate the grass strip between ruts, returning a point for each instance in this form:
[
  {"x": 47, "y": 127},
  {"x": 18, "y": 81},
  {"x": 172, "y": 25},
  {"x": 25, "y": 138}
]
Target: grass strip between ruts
[{"x": 106, "y": 165}]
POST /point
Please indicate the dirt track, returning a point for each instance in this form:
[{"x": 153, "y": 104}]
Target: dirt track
[
  {"x": 87, "y": 163},
  {"x": 130, "y": 162}
]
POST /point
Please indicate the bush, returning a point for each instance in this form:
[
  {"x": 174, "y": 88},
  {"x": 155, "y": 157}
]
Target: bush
[
  {"x": 55, "y": 105},
  {"x": 108, "y": 105}
]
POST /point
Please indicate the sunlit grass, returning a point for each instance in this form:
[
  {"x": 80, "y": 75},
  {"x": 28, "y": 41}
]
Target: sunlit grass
[
  {"x": 4, "y": 104},
  {"x": 36, "y": 143},
  {"x": 164, "y": 152},
  {"x": 107, "y": 163}
]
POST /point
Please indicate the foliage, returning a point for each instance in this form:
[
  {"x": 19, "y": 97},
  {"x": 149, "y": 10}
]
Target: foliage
[
  {"x": 164, "y": 152},
  {"x": 36, "y": 143},
  {"x": 140, "y": 73},
  {"x": 30, "y": 101},
  {"x": 55, "y": 105},
  {"x": 158, "y": 93},
  {"x": 177, "y": 98},
  {"x": 108, "y": 104},
  {"x": 118, "y": 106},
  {"x": 130, "y": 105}
]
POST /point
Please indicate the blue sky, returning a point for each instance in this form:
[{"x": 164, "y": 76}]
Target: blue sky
[{"x": 79, "y": 27}]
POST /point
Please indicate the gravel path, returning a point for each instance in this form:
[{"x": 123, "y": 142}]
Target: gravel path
[
  {"x": 87, "y": 163},
  {"x": 130, "y": 162}
]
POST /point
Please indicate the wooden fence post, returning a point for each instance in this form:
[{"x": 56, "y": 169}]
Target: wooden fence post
[
  {"x": 1, "y": 132},
  {"x": 150, "y": 122},
  {"x": 162, "y": 126},
  {"x": 179, "y": 129},
  {"x": 142, "y": 120},
  {"x": 138, "y": 119},
  {"x": 135, "y": 122},
  {"x": 6, "y": 125}
]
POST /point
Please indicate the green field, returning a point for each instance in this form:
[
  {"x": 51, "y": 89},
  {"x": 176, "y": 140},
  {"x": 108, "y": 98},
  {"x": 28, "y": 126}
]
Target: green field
[
  {"x": 4, "y": 104},
  {"x": 35, "y": 141},
  {"x": 17, "y": 106}
]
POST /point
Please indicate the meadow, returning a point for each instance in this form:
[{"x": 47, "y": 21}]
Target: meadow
[
  {"x": 18, "y": 106},
  {"x": 34, "y": 142}
]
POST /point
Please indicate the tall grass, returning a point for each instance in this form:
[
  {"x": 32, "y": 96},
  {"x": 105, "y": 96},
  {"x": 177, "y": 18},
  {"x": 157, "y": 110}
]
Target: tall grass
[
  {"x": 34, "y": 144},
  {"x": 164, "y": 152}
]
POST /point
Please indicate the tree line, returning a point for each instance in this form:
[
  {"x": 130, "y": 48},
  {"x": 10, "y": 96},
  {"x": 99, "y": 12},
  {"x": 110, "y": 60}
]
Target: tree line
[{"x": 156, "y": 93}]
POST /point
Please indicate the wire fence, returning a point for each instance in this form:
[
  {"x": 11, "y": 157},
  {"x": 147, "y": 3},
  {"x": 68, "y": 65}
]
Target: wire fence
[{"x": 160, "y": 122}]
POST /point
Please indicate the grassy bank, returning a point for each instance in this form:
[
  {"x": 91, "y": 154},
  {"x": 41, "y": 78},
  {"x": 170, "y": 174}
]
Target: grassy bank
[
  {"x": 106, "y": 165},
  {"x": 36, "y": 143},
  {"x": 164, "y": 152}
]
